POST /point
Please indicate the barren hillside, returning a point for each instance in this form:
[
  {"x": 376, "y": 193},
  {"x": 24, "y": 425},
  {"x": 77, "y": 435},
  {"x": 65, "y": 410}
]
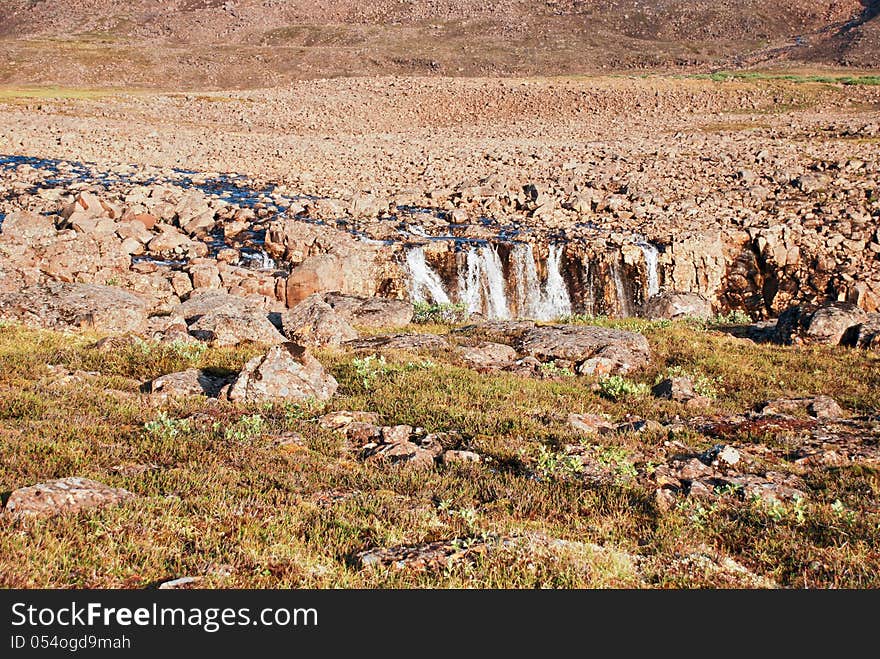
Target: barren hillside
[{"x": 245, "y": 43}]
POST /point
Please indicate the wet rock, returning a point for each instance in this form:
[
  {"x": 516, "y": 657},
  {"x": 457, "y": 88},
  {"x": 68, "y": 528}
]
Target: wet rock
[
  {"x": 597, "y": 350},
  {"x": 313, "y": 322},
  {"x": 409, "y": 342},
  {"x": 371, "y": 312},
  {"x": 677, "y": 304},
  {"x": 63, "y": 496},
  {"x": 224, "y": 329},
  {"x": 824, "y": 325},
  {"x": 191, "y": 382},
  {"x": 821, "y": 407},
  {"x": 487, "y": 356},
  {"x": 285, "y": 372}
]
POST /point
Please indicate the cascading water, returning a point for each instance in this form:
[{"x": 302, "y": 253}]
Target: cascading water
[
  {"x": 556, "y": 301},
  {"x": 425, "y": 284},
  {"x": 481, "y": 284},
  {"x": 528, "y": 286},
  {"x": 623, "y": 302},
  {"x": 651, "y": 257}
]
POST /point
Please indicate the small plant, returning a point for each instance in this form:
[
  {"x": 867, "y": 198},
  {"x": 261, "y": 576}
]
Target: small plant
[
  {"x": 191, "y": 351},
  {"x": 167, "y": 428},
  {"x": 735, "y": 317},
  {"x": 441, "y": 314},
  {"x": 245, "y": 429},
  {"x": 617, "y": 458},
  {"x": 557, "y": 465},
  {"x": 552, "y": 370},
  {"x": 113, "y": 281},
  {"x": 703, "y": 384},
  {"x": 839, "y": 509},
  {"x": 370, "y": 368},
  {"x": 616, "y": 387}
]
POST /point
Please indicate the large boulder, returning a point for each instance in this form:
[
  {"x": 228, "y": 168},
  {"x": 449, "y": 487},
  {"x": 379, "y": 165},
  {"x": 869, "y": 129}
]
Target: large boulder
[
  {"x": 371, "y": 312},
  {"x": 595, "y": 350},
  {"x": 864, "y": 335},
  {"x": 313, "y": 322},
  {"x": 231, "y": 329},
  {"x": 824, "y": 325},
  {"x": 191, "y": 382},
  {"x": 487, "y": 356},
  {"x": 286, "y": 372},
  {"x": 103, "y": 308},
  {"x": 63, "y": 496},
  {"x": 213, "y": 301},
  {"x": 24, "y": 226},
  {"x": 677, "y": 304},
  {"x": 410, "y": 342}
]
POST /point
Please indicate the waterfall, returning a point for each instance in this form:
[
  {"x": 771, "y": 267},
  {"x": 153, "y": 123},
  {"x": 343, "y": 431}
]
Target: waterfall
[
  {"x": 528, "y": 286},
  {"x": 259, "y": 260},
  {"x": 481, "y": 285},
  {"x": 620, "y": 288},
  {"x": 589, "y": 289},
  {"x": 556, "y": 301},
  {"x": 425, "y": 284},
  {"x": 651, "y": 256}
]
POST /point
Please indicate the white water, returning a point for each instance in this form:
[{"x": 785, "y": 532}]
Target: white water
[
  {"x": 261, "y": 260},
  {"x": 528, "y": 286},
  {"x": 481, "y": 284},
  {"x": 620, "y": 289},
  {"x": 482, "y": 287},
  {"x": 556, "y": 301},
  {"x": 425, "y": 284},
  {"x": 651, "y": 256}
]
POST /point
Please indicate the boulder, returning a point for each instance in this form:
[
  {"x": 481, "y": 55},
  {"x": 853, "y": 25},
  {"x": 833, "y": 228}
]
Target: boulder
[
  {"x": 102, "y": 308},
  {"x": 191, "y": 382},
  {"x": 412, "y": 342},
  {"x": 677, "y": 304},
  {"x": 24, "y": 226},
  {"x": 371, "y": 312},
  {"x": 487, "y": 356},
  {"x": 230, "y": 329},
  {"x": 63, "y": 496},
  {"x": 824, "y": 325},
  {"x": 317, "y": 274},
  {"x": 213, "y": 301},
  {"x": 820, "y": 407},
  {"x": 285, "y": 372},
  {"x": 595, "y": 350},
  {"x": 864, "y": 335},
  {"x": 680, "y": 389},
  {"x": 313, "y": 322}
]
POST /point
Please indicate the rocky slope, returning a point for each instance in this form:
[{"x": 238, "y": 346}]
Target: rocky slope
[{"x": 251, "y": 43}]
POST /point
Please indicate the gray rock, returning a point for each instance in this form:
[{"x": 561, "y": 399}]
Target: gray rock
[
  {"x": 286, "y": 372},
  {"x": 371, "y": 312},
  {"x": 411, "y": 342},
  {"x": 230, "y": 329},
  {"x": 677, "y": 304},
  {"x": 487, "y": 356},
  {"x": 825, "y": 325},
  {"x": 313, "y": 322},
  {"x": 192, "y": 382},
  {"x": 63, "y": 496},
  {"x": 596, "y": 350}
]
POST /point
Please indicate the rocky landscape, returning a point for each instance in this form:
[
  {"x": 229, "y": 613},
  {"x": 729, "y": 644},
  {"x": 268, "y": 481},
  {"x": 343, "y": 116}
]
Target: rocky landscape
[{"x": 398, "y": 331}]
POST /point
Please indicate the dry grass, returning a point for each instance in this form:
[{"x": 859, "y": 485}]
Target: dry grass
[{"x": 219, "y": 497}]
